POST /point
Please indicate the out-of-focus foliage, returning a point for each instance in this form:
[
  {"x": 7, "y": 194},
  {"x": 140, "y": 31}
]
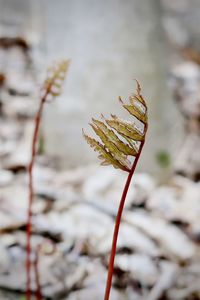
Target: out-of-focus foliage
[
  {"x": 163, "y": 158},
  {"x": 55, "y": 77}
]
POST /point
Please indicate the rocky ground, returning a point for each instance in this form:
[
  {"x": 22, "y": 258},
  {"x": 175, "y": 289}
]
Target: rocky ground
[
  {"x": 158, "y": 255},
  {"x": 158, "y": 250}
]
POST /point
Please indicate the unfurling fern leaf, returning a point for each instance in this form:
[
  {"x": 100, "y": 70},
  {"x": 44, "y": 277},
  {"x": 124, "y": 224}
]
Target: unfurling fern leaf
[
  {"x": 120, "y": 140},
  {"x": 55, "y": 77},
  {"x": 51, "y": 88},
  {"x": 114, "y": 132}
]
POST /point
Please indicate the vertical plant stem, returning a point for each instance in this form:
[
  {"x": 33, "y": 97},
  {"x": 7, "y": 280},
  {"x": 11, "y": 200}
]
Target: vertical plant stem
[
  {"x": 117, "y": 224},
  {"x": 38, "y": 293},
  {"x": 30, "y": 200},
  {"x": 54, "y": 80}
]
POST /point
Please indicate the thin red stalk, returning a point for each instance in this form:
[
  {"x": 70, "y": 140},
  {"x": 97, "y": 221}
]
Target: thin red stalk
[
  {"x": 30, "y": 186},
  {"x": 38, "y": 294},
  {"x": 117, "y": 224}
]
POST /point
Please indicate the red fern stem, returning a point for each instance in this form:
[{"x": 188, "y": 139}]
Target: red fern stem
[
  {"x": 31, "y": 193},
  {"x": 51, "y": 88},
  {"x": 38, "y": 293},
  {"x": 118, "y": 221}
]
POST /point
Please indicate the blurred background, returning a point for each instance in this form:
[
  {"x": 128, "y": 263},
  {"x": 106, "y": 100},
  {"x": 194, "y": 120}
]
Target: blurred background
[{"x": 109, "y": 43}]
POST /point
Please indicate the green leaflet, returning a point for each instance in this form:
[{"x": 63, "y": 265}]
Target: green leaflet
[
  {"x": 112, "y": 149},
  {"x": 129, "y": 125},
  {"x": 112, "y": 137},
  {"x": 140, "y": 99},
  {"x": 104, "y": 154},
  {"x": 138, "y": 96},
  {"x": 134, "y": 111},
  {"x": 122, "y": 129},
  {"x": 132, "y": 143},
  {"x": 134, "y": 101}
]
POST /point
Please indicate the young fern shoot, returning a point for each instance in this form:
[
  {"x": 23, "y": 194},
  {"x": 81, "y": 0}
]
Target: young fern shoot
[
  {"x": 120, "y": 140},
  {"x": 51, "y": 88}
]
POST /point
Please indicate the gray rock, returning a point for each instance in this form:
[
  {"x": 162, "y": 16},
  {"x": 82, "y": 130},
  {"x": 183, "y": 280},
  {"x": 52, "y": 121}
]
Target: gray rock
[
  {"x": 173, "y": 242},
  {"x": 141, "y": 268}
]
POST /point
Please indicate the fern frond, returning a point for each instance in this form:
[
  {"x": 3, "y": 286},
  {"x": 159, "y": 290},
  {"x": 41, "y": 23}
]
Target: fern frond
[
  {"x": 51, "y": 88},
  {"x": 115, "y": 132},
  {"x": 55, "y": 77}
]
